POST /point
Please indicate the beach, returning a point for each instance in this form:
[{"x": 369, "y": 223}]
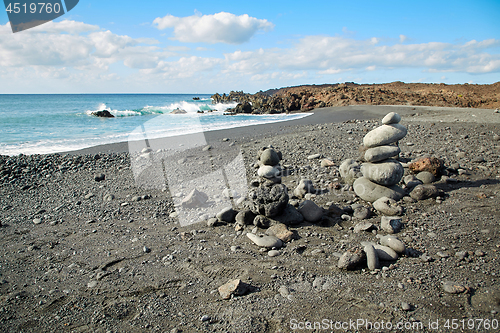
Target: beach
[{"x": 90, "y": 246}]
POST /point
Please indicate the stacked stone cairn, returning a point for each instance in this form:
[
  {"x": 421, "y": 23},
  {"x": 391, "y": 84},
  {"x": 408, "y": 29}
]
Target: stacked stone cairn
[
  {"x": 376, "y": 180},
  {"x": 266, "y": 205},
  {"x": 381, "y": 172}
]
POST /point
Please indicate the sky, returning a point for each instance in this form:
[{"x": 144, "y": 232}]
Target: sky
[{"x": 218, "y": 46}]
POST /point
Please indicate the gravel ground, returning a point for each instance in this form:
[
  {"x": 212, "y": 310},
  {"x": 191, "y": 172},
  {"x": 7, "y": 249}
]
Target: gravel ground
[{"x": 82, "y": 255}]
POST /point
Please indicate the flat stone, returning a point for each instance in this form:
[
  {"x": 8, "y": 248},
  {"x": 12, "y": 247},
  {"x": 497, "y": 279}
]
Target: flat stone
[
  {"x": 391, "y": 118},
  {"x": 384, "y": 135},
  {"x": 282, "y": 232},
  {"x": 391, "y": 224},
  {"x": 265, "y": 240},
  {"x": 370, "y": 191},
  {"x": 234, "y": 287},
  {"x": 387, "y": 206},
  {"x": 311, "y": 211},
  {"x": 273, "y": 253},
  {"x": 363, "y": 226},
  {"x": 371, "y": 257},
  {"x": 386, "y": 253},
  {"x": 381, "y": 153},
  {"x": 392, "y": 242},
  {"x": 388, "y": 172},
  {"x": 453, "y": 288}
]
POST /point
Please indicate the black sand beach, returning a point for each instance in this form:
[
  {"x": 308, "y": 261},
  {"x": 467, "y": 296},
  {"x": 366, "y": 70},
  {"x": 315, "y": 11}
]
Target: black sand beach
[{"x": 86, "y": 253}]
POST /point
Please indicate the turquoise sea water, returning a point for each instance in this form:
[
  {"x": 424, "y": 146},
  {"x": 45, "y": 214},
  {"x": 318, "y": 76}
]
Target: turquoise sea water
[{"x": 41, "y": 124}]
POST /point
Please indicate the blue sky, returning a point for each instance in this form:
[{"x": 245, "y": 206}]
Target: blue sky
[{"x": 217, "y": 46}]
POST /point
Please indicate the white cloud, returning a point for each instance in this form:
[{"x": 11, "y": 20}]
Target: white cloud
[{"x": 217, "y": 28}]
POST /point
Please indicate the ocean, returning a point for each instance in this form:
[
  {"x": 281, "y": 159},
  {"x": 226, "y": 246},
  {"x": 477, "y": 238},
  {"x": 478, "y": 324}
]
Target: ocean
[{"x": 42, "y": 124}]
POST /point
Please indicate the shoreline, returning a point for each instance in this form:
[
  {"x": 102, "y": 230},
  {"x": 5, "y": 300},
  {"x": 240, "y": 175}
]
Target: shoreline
[{"x": 319, "y": 116}]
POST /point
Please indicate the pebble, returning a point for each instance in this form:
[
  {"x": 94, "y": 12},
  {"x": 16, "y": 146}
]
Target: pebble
[
  {"x": 388, "y": 206},
  {"x": 426, "y": 177},
  {"x": 37, "y": 221},
  {"x": 205, "y": 318},
  {"x": 234, "y": 287},
  {"x": 442, "y": 254},
  {"x": 350, "y": 259},
  {"x": 265, "y": 240},
  {"x": 362, "y": 213},
  {"x": 391, "y": 224},
  {"x": 385, "y": 253},
  {"x": 268, "y": 171},
  {"x": 313, "y": 157},
  {"x": 92, "y": 284},
  {"x": 100, "y": 177},
  {"x": 311, "y": 211},
  {"x": 363, "y": 226},
  {"x": 371, "y": 257},
  {"x": 273, "y": 253},
  {"x": 269, "y": 157},
  {"x": 405, "y": 306},
  {"x": 392, "y": 242},
  {"x": 146, "y": 249},
  {"x": 391, "y": 118},
  {"x": 453, "y": 288}
]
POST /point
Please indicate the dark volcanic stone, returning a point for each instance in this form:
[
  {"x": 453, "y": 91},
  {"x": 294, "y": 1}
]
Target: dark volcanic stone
[
  {"x": 103, "y": 114},
  {"x": 269, "y": 201}
]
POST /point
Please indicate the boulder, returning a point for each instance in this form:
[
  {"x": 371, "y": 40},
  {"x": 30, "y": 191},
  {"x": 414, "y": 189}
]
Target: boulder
[
  {"x": 384, "y": 173},
  {"x": 370, "y": 191},
  {"x": 381, "y": 153},
  {"x": 384, "y": 135}
]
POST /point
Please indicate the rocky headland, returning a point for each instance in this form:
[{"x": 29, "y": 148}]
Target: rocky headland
[{"x": 309, "y": 97}]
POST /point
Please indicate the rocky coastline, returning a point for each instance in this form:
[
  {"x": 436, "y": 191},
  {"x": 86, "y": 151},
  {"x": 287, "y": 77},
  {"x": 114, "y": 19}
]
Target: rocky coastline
[{"x": 309, "y": 97}]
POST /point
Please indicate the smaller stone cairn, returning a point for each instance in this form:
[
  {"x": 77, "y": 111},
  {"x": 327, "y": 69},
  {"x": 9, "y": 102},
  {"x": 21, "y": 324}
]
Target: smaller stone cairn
[{"x": 381, "y": 172}]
